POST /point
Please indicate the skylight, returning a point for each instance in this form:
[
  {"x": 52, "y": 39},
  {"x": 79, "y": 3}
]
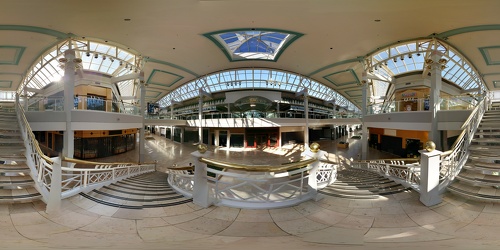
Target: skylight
[
  {"x": 410, "y": 56},
  {"x": 96, "y": 56},
  {"x": 253, "y": 44},
  {"x": 255, "y": 79}
]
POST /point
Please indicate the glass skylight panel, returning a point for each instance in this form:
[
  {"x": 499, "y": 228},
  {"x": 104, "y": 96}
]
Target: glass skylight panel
[
  {"x": 262, "y": 44},
  {"x": 253, "y": 79}
]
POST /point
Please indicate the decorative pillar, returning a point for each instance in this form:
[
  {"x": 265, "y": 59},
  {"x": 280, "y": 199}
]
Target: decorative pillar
[
  {"x": 429, "y": 175},
  {"x": 364, "y": 129},
  {"x": 69, "y": 93},
  {"x": 142, "y": 146},
  {"x": 200, "y": 111},
  {"x": 306, "y": 109},
  {"x": 278, "y": 109},
  {"x": 216, "y": 139},
  {"x": 200, "y": 189},
  {"x": 435, "y": 64},
  {"x": 54, "y": 200},
  {"x": 312, "y": 182}
]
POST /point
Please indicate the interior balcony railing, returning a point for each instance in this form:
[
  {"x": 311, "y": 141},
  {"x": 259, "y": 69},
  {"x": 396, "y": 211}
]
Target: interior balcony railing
[
  {"x": 466, "y": 102},
  {"x": 224, "y": 115},
  {"x": 42, "y": 103},
  {"x": 56, "y": 182},
  {"x": 253, "y": 186}
]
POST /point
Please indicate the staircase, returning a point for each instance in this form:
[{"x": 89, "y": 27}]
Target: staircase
[
  {"x": 361, "y": 184},
  {"x": 480, "y": 176},
  {"x": 143, "y": 191},
  {"x": 16, "y": 184}
]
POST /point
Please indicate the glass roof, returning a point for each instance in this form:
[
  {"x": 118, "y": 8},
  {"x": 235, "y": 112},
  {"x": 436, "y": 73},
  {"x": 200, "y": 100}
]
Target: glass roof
[
  {"x": 269, "y": 79},
  {"x": 96, "y": 57},
  {"x": 410, "y": 56},
  {"x": 252, "y": 44}
]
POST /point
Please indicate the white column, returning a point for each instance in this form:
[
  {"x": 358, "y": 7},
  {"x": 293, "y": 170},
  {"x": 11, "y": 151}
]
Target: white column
[
  {"x": 25, "y": 105},
  {"x": 228, "y": 140},
  {"x": 306, "y": 130},
  {"x": 200, "y": 189},
  {"x": 278, "y": 109},
  {"x": 434, "y": 96},
  {"x": 142, "y": 141},
  {"x": 216, "y": 140},
  {"x": 364, "y": 136},
  {"x": 200, "y": 112},
  {"x": 429, "y": 177},
  {"x": 69, "y": 93},
  {"x": 54, "y": 201}
]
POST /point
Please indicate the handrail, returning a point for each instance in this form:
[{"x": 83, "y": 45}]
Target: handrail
[
  {"x": 257, "y": 168},
  {"x": 31, "y": 135},
  {"x": 67, "y": 159},
  {"x": 453, "y": 159},
  {"x": 55, "y": 182}
]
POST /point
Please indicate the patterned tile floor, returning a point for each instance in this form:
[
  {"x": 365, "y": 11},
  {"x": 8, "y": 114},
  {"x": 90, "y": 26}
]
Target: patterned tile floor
[{"x": 397, "y": 221}]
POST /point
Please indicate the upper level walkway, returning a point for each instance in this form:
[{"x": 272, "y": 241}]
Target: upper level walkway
[{"x": 396, "y": 221}]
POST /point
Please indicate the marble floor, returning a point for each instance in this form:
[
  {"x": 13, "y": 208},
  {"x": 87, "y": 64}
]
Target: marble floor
[{"x": 397, "y": 221}]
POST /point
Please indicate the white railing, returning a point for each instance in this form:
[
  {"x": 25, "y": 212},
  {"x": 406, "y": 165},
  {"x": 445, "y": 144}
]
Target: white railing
[
  {"x": 465, "y": 102},
  {"x": 248, "y": 186},
  {"x": 182, "y": 179},
  {"x": 70, "y": 180},
  {"x": 453, "y": 160},
  {"x": 326, "y": 174},
  {"x": 76, "y": 180},
  {"x": 405, "y": 171}
]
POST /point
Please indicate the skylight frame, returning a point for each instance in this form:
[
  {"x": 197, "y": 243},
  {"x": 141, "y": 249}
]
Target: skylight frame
[
  {"x": 232, "y": 41},
  {"x": 252, "y": 79},
  {"x": 47, "y": 69}
]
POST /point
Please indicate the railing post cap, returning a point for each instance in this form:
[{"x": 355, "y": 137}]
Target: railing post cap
[
  {"x": 314, "y": 147},
  {"x": 202, "y": 148},
  {"x": 430, "y": 146}
]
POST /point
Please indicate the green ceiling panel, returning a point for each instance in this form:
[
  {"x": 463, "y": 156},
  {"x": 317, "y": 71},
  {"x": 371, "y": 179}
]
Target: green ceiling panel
[
  {"x": 491, "y": 55},
  {"x": 11, "y": 55},
  {"x": 342, "y": 78},
  {"x": 163, "y": 78}
]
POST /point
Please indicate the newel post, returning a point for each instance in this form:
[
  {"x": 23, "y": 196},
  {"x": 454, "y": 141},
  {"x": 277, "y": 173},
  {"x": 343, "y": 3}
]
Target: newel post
[
  {"x": 312, "y": 181},
  {"x": 200, "y": 189},
  {"x": 54, "y": 201},
  {"x": 429, "y": 175}
]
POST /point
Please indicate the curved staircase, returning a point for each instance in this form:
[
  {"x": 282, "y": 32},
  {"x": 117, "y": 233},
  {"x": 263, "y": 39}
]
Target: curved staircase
[
  {"x": 143, "y": 191},
  {"x": 480, "y": 176},
  {"x": 361, "y": 184},
  {"x": 16, "y": 184}
]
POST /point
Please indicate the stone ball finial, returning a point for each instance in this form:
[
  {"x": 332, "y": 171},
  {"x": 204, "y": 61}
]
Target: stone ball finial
[
  {"x": 314, "y": 147},
  {"x": 202, "y": 148},
  {"x": 430, "y": 146}
]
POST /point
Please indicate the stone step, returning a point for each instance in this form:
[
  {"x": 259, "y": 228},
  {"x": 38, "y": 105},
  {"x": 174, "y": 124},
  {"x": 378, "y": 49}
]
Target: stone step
[
  {"x": 144, "y": 191},
  {"x": 15, "y": 182},
  {"x": 483, "y": 167},
  {"x": 8, "y": 150},
  {"x": 479, "y": 179},
  {"x": 488, "y": 193},
  {"x": 486, "y": 140},
  {"x": 11, "y": 140},
  {"x": 13, "y": 158},
  {"x": 22, "y": 195},
  {"x": 361, "y": 184}
]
